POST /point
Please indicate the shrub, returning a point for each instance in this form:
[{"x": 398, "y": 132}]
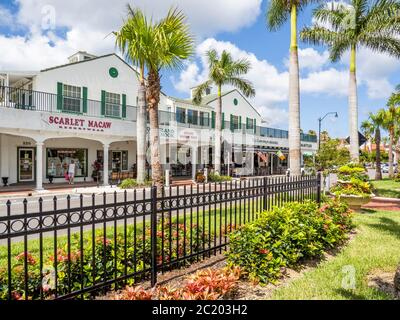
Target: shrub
[
  {"x": 132, "y": 183},
  {"x": 353, "y": 180},
  {"x": 283, "y": 236},
  {"x": 352, "y": 171},
  {"x": 352, "y": 187},
  {"x": 215, "y": 177}
]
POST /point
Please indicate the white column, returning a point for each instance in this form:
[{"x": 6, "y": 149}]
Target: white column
[
  {"x": 105, "y": 163},
  {"x": 39, "y": 165},
  {"x": 194, "y": 162}
]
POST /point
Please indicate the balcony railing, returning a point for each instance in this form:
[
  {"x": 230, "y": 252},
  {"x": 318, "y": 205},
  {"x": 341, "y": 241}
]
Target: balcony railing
[{"x": 48, "y": 102}]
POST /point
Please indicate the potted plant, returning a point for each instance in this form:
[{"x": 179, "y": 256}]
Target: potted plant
[
  {"x": 97, "y": 166},
  {"x": 353, "y": 186}
]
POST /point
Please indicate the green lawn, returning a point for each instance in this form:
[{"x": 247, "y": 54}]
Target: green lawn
[
  {"x": 386, "y": 188},
  {"x": 375, "y": 247}
]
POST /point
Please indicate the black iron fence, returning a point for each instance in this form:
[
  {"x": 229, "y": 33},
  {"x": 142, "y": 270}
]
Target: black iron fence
[{"x": 83, "y": 246}]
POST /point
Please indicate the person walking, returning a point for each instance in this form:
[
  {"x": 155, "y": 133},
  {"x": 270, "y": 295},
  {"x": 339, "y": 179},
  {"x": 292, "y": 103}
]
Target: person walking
[{"x": 71, "y": 172}]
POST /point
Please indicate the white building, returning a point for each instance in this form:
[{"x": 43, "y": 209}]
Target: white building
[{"x": 85, "y": 111}]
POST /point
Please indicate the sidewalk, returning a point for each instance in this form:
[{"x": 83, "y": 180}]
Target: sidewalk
[{"x": 51, "y": 192}]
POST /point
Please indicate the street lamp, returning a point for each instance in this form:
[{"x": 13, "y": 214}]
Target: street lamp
[{"x": 319, "y": 126}]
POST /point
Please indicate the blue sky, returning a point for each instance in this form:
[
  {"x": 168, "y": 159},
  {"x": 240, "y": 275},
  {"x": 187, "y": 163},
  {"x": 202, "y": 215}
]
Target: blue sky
[{"x": 36, "y": 33}]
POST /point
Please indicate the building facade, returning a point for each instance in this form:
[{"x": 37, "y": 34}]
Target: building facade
[{"x": 84, "y": 111}]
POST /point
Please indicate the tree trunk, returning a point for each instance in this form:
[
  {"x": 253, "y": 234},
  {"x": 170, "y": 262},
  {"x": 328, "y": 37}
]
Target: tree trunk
[
  {"x": 218, "y": 128},
  {"x": 294, "y": 100},
  {"x": 378, "y": 172},
  {"x": 153, "y": 98},
  {"x": 391, "y": 138},
  {"x": 353, "y": 109},
  {"x": 141, "y": 133}
]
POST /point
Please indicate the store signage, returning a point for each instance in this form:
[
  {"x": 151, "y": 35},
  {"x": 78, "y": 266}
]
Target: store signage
[
  {"x": 79, "y": 124},
  {"x": 188, "y": 135}
]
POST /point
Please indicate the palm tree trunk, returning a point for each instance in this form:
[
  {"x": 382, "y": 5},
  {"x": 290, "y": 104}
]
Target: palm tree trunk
[
  {"x": 353, "y": 108},
  {"x": 294, "y": 99},
  {"x": 218, "y": 128},
  {"x": 141, "y": 132},
  {"x": 378, "y": 172},
  {"x": 153, "y": 98},
  {"x": 391, "y": 134}
]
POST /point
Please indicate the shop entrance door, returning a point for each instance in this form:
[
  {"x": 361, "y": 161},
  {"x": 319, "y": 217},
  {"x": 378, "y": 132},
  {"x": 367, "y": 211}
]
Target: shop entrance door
[{"x": 26, "y": 164}]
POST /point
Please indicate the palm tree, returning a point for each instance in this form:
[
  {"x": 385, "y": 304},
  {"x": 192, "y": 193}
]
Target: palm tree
[
  {"x": 390, "y": 123},
  {"x": 361, "y": 23},
  {"x": 132, "y": 40},
  {"x": 169, "y": 44},
  {"x": 367, "y": 129},
  {"x": 377, "y": 121},
  {"x": 277, "y": 13},
  {"x": 223, "y": 71}
]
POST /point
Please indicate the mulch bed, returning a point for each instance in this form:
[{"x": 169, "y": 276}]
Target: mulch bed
[{"x": 245, "y": 290}]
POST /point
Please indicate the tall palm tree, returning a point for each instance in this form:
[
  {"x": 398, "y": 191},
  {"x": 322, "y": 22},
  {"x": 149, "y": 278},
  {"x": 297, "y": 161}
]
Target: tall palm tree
[
  {"x": 133, "y": 41},
  {"x": 361, "y": 23},
  {"x": 278, "y": 13},
  {"x": 377, "y": 121},
  {"x": 223, "y": 71},
  {"x": 390, "y": 123},
  {"x": 169, "y": 43}
]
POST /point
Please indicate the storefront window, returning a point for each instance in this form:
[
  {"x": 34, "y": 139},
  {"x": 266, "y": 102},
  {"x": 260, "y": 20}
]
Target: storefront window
[
  {"x": 117, "y": 160},
  {"x": 58, "y": 161}
]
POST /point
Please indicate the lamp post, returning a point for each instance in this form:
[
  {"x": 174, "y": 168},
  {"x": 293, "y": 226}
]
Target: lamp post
[{"x": 319, "y": 126}]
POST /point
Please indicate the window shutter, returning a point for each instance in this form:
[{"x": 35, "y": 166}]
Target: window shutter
[
  {"x": 84, "y": 101},
  {"x": 59, "y": 96},
  {"x": 212, "y": 119},
  {"x": 255, "y": 126},
  {"x": 103, "y": 102},
  {"x": 240, "y": 122},
  {"x": 124, "y": 106},
  {"x": 247, "y": 123},
  {"x": 231, "y": 122},
  {"x": 223, "y": 121}
]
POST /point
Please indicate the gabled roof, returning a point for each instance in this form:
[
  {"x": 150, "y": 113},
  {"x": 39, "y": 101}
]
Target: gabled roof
[
  {"x": 89, "y": 60},
  {"x": 212, "y": 97},
  {"x": 189, "y": 101},
  {"x": 96, "y": 58}
]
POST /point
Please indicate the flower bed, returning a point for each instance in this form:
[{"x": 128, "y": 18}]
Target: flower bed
[
  {"x": 282, "y": 237},
  {"x": 104, "y": 260},
  {"x": 205, "y": 284}
]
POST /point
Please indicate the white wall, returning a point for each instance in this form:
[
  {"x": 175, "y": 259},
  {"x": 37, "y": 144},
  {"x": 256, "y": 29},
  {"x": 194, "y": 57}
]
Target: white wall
[
  {"x": 10, "y": 144},
  {"x": 243, "y": 109}
]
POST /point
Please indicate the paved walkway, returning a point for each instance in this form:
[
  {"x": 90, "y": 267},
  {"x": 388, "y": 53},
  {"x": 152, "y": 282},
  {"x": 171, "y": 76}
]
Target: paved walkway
[{"x": 383, "y": 204}]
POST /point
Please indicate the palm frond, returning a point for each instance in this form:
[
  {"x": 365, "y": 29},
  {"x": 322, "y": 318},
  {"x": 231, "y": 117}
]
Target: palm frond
[
  {"x": 244, "y": 85},
  {"x": 200, "y": 90}
]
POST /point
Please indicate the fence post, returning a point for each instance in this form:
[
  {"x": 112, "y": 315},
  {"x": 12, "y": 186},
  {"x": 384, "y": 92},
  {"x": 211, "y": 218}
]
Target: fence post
[
  {"x": 319, "y": 187},
  {"x": 153, "y": 230},
  {"x": 265, "y": 181}
]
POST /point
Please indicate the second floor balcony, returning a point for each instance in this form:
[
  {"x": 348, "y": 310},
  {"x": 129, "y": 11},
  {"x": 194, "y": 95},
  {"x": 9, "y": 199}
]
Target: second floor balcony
[{"x": 37, "y": 101}]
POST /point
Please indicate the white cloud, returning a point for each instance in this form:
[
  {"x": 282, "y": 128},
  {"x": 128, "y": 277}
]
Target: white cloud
[
  {"x": 311, "y": 59},
  {"x": 271, "y": 85},
  {"x": 331, "y": 81},
  {"x": 87, "y": 24}
]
